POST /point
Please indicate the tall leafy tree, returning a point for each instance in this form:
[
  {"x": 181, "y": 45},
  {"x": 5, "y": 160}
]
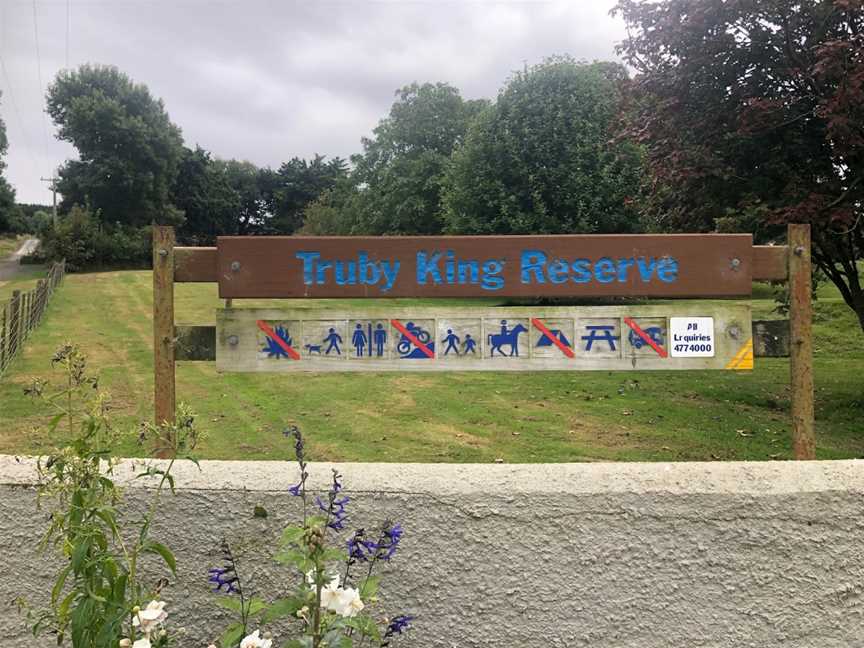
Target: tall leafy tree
[
  {"x": 540, "y": 159},
  {"x": 398, "y": 177},
  {"x": 295, "y": 185},
  {"x": 754, "y": 111},
  {"x": 248, "y": 184},
  {"x": 7, "y": 193},
  {"x": 203, "y": 190},
  {"x": 128, "y": 147}
]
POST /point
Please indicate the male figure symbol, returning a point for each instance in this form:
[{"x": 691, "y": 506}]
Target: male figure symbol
[
  {"x": 380, "y": 337},
  {"x": 335, "y": 340},
  {"x": 452, "y": 342}
]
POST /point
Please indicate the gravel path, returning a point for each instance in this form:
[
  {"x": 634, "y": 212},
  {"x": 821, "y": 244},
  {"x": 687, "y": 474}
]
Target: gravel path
[{"x": 10, "y": 267}]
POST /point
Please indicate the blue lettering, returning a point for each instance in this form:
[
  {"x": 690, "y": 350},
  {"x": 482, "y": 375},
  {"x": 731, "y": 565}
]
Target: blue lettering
[
  {"x": 343, "y": 277},
  {"x": 450, "y": 266},
  {"x": 623, "y": 265},
  {"x": 604, "y": 270},
  {"x": 582, "y": 271},
  {"x": 428, "y": 266},
  {"x": 491, "y": 269},
  {"x": 321, "y": 271},
  {"x": 469, "y": 268},
  {"x": 533, "y": 261},
  {"x": 308, "y": 259},
  {"x": 667, "y": 270},
  {"x": 558, "y": 271},
  {"x": 368, "y": 272},
  {"x": 391, "y": 270},
  {"x": 646, "y": 268}
]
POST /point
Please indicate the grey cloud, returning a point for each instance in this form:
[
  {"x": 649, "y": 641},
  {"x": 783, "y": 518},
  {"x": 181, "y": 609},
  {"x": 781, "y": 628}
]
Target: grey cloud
[{"x": 266, "y": 81}]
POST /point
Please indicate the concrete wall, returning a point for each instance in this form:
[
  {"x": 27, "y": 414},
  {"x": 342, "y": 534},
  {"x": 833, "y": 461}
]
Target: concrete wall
[{"x": 641, "y": 555}]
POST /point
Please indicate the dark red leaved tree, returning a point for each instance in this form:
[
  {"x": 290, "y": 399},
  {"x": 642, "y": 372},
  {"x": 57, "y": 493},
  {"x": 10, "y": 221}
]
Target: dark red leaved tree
[{"x": 752, "y": 111}]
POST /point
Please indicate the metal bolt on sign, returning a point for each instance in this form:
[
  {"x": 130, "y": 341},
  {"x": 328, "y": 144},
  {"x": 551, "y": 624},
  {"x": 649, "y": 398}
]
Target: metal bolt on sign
[
  {"x": 735, "y": 264},
  {"x": 235, "y": 266},
  {"x": 233, "y": 340}
]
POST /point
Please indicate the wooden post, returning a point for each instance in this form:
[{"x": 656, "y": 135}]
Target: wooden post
[
  {"x": 4, "y": 338},
  {"x": 163, "y": 323},
  {"x": 14, "y": 324},
  {"x": 801, "y": 347}
]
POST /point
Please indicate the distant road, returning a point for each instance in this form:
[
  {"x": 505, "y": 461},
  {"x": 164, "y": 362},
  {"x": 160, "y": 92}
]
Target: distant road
[{"x": 9, "y": 267}]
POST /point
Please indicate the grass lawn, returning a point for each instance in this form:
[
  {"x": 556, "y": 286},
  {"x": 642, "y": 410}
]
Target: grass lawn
[{"x": 444, "y": 417}]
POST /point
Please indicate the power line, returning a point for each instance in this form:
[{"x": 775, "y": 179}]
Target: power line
[
  {"x": 18, "y": 114},
  {"x": 39, "y": 75},
  {"x": 68, "y": 29}
]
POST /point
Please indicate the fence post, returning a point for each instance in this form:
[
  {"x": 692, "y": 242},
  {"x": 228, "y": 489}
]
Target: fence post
[
  {"x": 163, "y": 324},
  {"x": 801, "y": 338},
  {"x": 40, "y": 300},
  {"x": 4, "y": 341},
  {"x": 15, "y": 323}
]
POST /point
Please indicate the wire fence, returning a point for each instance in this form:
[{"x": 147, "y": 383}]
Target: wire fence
[{"x": 21, "y": 314}]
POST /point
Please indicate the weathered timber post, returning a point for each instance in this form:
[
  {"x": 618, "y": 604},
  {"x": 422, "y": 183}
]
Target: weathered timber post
[
  {"x": 163, "y": 324},
  {"x": 4, "y": 338},
  {"x": 801, "y": 347},
  {"x": 14, "y": 324}
]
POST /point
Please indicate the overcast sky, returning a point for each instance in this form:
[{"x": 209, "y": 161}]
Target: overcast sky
[{"x": 266, "y": 81}]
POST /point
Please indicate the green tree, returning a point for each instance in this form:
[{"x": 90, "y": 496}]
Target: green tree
[
  {"x": 754, "y": 112},
  {"x": 248, "y": 184},
  {"x": 7, "y": 193},
  {"x": 541, "y": 161},
  {"x": 397, "y": 179},
  {"x": 128, "y": 147},
  {"x": 203, "y": 190},
  {"x": 296, "y": 185}
]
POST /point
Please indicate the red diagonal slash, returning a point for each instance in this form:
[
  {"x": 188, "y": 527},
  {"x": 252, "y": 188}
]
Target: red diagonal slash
[
  {"x": 540, "y": 326},
  {"x": 647, "y": 338},
  {"x": 278, "y": 340},
  {"x": 413, "y": 338}
]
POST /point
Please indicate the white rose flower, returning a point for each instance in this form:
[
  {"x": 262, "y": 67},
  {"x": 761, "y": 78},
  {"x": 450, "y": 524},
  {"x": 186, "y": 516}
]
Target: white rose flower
[
  {"x": 330, "y": 597},
  {"x": 142, "y": 643},
  {"x": 347, "y": 602},
  {"x": 125, "y": 643},
  {"x": 254, "y": 640},
  {"x": 148, "y": 618}
]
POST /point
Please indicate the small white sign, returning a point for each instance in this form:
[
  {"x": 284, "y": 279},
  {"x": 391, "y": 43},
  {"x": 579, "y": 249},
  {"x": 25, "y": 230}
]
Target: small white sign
[{"x": 691, "y": 337}]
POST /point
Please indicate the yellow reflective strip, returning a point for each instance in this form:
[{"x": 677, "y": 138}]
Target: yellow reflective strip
[{"x": 744, "y": 358}]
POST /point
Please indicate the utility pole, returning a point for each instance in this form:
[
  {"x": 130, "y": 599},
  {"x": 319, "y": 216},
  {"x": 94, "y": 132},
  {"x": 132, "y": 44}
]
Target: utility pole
[{"x": 53, "y": 181}]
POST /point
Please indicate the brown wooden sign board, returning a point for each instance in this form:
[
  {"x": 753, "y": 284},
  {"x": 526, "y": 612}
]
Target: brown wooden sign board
[
  {"x": 677, "y": 265},
  {"x": 594, "y": 338}
]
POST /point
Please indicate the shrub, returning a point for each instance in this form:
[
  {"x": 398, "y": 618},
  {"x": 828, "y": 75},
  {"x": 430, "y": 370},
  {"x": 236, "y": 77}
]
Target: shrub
[{"x": 86, "y": 243}]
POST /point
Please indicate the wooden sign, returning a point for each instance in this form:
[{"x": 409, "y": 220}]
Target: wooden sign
[
  {"x": 676, "y": 265},
  {"x": 686, "y": 336}
]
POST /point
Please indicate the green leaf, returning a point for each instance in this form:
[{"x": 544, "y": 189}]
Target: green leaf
[
  {"x": 294, "y": 557},
  {"x": 366, "y": 626},
  {"x": 370, "y": 588},
  {"x": 283, "y": 607},
  {"x": 79, "y": 554},
  {"x": 232, "y": 604},
  {"x": 232, "y": 635},
  {"x": 305, "y": 642},
  {"x": 58, "y": 584},
  {"x": 151, "y": 546},
  {"x": 256, "y": 605},
  {"x": 292, "y": 535},
  {"x": 52, "y": 424}
]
